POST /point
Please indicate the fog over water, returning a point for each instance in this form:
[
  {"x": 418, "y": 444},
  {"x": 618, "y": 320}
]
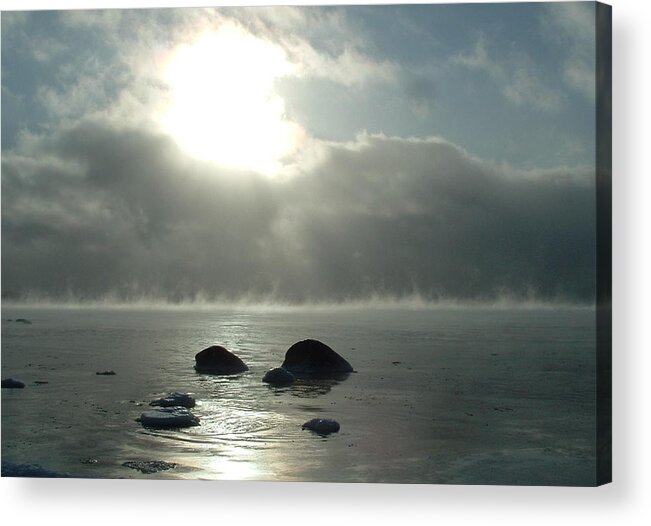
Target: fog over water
[
  {"x": 472, "y": 396},
  {"x": 377, "y": 217}
]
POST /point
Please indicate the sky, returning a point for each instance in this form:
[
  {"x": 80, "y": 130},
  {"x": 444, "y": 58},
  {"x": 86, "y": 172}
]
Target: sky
[{"x": 320, "y": 154}]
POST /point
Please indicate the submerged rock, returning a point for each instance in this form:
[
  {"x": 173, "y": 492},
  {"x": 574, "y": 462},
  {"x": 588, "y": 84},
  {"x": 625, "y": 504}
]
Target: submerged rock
[
  {"x": 10, "y": 383},
  {"x": 314, "y": 357},
  {"x": 278, "y": 376},
  {"x": 23, "y": 320},
  {"x": 149, "y": 466},
  {"x": 218, "y": 360},
  {"x": 322, "y": 426},
  {"x": 168, "y": 417},
  {"x": 105, "y": 373},
  {"x": 174, "y": 400}
]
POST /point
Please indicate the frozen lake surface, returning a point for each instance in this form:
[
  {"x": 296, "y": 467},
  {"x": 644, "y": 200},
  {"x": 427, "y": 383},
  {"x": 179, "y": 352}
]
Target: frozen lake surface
[{"x": 463, "y": 396}]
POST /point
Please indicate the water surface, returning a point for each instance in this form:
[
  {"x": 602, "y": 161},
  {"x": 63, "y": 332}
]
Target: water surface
[{"x": 470, "y": 396}]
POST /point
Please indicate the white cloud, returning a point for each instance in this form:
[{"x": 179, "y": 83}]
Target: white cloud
[
  {"x": 516, "y": 75},
  {"x": 126, "y": 82},
  {"x": 48, "y": 49},
  {"x": 340, "y": 55},
  {"x": 571, "y": 26},
  {"x": 97, "y": 19},
  {"x": 349, "y": 68}
]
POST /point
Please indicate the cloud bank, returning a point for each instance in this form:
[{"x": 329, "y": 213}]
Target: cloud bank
[{"x": 96, "y": 210}]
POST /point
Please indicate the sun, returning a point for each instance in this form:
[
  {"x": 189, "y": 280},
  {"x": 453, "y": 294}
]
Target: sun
[{"x": 222, "y": 105}]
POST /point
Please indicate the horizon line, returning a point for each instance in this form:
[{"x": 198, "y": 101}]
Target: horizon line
[{"x": 415, "y": 303}]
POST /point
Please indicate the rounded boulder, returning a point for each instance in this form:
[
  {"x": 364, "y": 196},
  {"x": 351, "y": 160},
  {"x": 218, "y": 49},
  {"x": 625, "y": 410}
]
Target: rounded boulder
[
  {"x": 278, "y": 376},
  {"x": 322, "y": 426},
  {"x": 314, "y": 357},
  {"x": 218, "y": 360},
  {"x": 10, "y": 383}
]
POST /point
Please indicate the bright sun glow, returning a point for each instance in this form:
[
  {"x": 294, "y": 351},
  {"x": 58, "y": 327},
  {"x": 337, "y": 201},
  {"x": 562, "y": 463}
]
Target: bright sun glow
[{"x": 223, "y": 107}]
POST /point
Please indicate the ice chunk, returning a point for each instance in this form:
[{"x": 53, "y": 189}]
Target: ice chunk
[
  {"x": 149, "y": 466},
  {"x": 174, "y": 400},
  {"x": 169, "y": 417}
]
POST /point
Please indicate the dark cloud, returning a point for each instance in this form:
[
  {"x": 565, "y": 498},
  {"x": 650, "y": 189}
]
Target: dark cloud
[{"x": 98, "y": 211}]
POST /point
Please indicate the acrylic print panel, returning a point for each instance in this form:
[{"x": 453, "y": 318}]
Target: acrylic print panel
[{"x": 402, "y": 211}]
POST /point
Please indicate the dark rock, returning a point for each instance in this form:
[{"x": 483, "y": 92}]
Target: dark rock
[
  {"x": 105, "y": 373},
  {"x": 218, "y": 360},
  {"x": 88, "y": 461},
  {"x": 278, "y": 376},
  {"x": 314, "y": 357},
  {"x": 174, "y": 400},
  {"x": 10, "y": 383},
  {"x": 149, "y": 466},
  {"x": 41, "y": 382},
  {"x": 322, "y": 426},
  {"x": 23, "y": 320},
  {"x": 169, "y": 418}
]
